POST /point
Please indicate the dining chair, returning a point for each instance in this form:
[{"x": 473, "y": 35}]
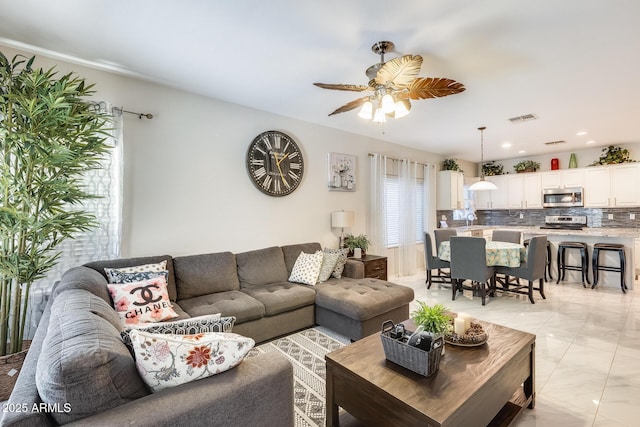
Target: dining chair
[
  {"x": 442, "y": 235},
  {"x": 469, "y": 262},
  {"x": 531, "y": 269},
  {"x": 509, "y": 236},
  {"x": 434, "y": 263}
]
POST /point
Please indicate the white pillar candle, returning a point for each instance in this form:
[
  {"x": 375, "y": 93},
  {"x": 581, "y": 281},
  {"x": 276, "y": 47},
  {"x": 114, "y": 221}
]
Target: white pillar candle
[
  {"x": 467, "y": 320},
  {"x": 458, "y": 326}
]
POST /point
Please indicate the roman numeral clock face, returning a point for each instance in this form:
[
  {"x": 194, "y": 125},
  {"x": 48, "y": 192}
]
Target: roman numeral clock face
[{"x": 275, "y": 164}]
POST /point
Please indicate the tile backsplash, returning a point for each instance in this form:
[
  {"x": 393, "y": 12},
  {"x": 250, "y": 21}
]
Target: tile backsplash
[{"x": 596, "y": 217}]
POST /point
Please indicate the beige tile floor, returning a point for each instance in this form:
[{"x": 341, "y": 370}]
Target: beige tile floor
[{"x": 587, "y": 348}]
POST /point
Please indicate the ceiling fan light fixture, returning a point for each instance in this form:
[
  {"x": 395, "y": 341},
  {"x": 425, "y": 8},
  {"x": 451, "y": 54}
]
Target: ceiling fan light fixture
[
  {"x": 401, "y": 109},
  {"x": 366, "y": 112},
  {"x": 387, "y": 104},
  {"x": 379, "y": 116}
]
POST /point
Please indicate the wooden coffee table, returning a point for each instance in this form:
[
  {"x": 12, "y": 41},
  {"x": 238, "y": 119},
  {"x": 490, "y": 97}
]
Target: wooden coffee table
[{"x": 486, "y": 385}]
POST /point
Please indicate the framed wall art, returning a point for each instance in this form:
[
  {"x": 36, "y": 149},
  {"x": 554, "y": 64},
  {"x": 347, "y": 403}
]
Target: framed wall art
[{"x": 342, "y": 172}]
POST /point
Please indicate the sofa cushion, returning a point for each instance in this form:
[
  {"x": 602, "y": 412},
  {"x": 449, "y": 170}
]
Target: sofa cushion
[
  {"x": 146, "y": 301},
  {"x": 198, "y": 275},
  {"x": 84, "y": 278},
  {"x": 291, "y": 253},
  {"x": 99, "y": 266},
  {"x": 229, "y": 303},
  {"x": 361, "y": 299},
  {"x": 261, "y": 267},
  {"x": 84, "y": 364},
  {"x": 281, "y": 297},
  {"x": 329, "y": 260},
  {"x": 166, "y": 360},
  {"x": 341, "y": 261}
]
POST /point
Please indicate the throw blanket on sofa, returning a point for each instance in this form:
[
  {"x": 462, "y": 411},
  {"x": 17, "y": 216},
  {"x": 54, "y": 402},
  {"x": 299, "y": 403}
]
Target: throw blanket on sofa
[{"x": 306, "y": 350}]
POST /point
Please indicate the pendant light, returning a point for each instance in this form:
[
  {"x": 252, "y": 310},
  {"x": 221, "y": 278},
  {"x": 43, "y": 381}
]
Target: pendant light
[{"x": 482, "y": 185}]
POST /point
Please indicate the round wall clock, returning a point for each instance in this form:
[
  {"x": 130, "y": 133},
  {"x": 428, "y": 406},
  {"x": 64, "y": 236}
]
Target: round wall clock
[{"x": 274, "y": 163}]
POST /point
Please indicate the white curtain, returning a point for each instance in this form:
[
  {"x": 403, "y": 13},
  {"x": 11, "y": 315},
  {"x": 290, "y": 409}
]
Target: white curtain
[
  {"x": 407, "y": 171},
  {"x": 102, "y": 242},
  {"x": 430, "y": 219},
  {"x": 377, "y": 211}
]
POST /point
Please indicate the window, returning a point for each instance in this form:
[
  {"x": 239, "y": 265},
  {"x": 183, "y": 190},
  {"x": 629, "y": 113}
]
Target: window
[{"x": 392, "y": 188}]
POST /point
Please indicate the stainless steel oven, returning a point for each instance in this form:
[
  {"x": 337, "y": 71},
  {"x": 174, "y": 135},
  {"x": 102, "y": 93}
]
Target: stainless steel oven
[{"x": 562, "y": 197}]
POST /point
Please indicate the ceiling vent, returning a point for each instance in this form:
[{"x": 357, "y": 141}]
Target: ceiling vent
[
  {"x": 555, "y": 142},
  {"x": 523, "y": 118}
]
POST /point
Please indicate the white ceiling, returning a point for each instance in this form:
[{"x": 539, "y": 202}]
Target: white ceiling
[{"x": 573, "y": 63}]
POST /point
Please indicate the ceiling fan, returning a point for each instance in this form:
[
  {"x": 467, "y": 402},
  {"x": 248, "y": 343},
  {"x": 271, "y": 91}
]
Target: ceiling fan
[{"x": 393, "y": 83}]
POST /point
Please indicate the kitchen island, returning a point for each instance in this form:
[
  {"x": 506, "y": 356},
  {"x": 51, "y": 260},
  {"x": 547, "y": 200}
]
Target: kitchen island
[{"x": 588, "y": 235}]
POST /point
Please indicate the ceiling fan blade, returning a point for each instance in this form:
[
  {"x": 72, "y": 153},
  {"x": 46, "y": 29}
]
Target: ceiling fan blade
[
  {"x": 352, "y": 88},
  {"x": 350, "y": 106},
  {"x": 433, "y": 87},
  {"x": 400, "y": 72}
]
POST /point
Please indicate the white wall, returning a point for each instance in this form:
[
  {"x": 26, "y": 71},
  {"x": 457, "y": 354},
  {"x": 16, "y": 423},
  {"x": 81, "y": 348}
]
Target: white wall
[{"x": 187, "y": 190}]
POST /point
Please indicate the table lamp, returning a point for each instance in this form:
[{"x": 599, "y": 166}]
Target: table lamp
[{"x": 342, "y": 220}]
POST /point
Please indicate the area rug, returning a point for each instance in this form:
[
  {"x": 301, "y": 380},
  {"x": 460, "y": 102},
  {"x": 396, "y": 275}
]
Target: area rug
[{"x": 306, "y": 350}]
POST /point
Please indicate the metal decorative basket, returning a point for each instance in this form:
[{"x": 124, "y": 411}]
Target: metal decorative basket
[{"x": 397, "y": 350}]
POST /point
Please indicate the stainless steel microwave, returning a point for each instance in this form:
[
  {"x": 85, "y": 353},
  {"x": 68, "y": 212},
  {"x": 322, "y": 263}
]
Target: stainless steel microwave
[{"x": 562, "y": 197}]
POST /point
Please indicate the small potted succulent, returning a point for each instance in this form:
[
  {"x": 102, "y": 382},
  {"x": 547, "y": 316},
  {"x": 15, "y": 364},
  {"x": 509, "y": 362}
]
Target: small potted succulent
[
  {"x": 612, "y": 155},
  {"x": 492, "y": 168},
  {"x": 451, "y": 165},
  {"x": 526, "y": 166}
]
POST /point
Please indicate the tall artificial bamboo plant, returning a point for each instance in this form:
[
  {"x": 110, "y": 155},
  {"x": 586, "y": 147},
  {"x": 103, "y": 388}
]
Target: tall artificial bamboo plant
[{"x": 50, "y": 136}]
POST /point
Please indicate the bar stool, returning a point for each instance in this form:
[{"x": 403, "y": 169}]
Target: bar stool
[
  {"x": 584, "y": 263},
  {"x": 547, "y": 272},
  {"x": 597, "y": 267}
]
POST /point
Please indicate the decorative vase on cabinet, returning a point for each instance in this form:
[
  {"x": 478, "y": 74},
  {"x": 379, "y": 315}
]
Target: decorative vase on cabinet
[{"x": 573, "y": 163}]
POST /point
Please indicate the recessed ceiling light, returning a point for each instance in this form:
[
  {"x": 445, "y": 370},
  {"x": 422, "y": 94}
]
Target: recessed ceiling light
[
  {"x": 590, "y": 142},
  {"x": 522, "y": 151},
  {"x": 506, "y": 145},
  {"x": 582, "y": 132}
]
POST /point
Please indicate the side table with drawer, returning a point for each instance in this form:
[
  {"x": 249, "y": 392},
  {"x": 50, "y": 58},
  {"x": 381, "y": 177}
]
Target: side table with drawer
[{"x": 375, "y": 266}]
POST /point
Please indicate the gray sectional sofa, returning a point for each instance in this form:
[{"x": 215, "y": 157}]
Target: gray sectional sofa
[{"x": 77, "y": 346}]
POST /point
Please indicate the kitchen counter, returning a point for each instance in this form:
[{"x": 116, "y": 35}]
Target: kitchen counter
[{"x": 587, "y": 231}]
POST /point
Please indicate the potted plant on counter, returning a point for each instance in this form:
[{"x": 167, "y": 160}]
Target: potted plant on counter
[{"x": 526, "y": 166}]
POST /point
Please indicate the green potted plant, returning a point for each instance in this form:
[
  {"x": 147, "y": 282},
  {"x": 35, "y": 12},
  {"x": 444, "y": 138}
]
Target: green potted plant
[
  {"x": 492, "y": 168},
  {"x": 526, "y": 166},
  {"x": 613, "y": 155},
  {"x": 360, "y": 241},
  {"x": 49, "y": 137},
  {"x": 451, "y": 165},
  {"x": 433, "y": 319}
]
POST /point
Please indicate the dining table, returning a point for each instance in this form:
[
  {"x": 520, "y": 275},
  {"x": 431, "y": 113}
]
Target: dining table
[{"x": 498, "y": 253}]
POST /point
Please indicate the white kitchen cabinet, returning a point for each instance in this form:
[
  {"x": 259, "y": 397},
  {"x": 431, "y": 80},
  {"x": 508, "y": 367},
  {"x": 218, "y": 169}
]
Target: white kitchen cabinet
[
  {"x": 565, "y": 178},
  {"x": 612, "y": 186},
  {"x": 525, "y": 191},
  {"x": 494, "y": 199},
  {"x": 450, "y": 190}
]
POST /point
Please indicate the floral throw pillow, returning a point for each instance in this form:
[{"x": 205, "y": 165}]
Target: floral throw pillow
[
  {"x": 112, "y": 273},
  {"x": 342, "y": 260},
  {"x": 165, "y": 361},
  {"x": 145, "y": 301},
  {"x": 306, "y": 270}
]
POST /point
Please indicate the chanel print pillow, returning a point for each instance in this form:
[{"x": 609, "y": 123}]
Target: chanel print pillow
[
  {"x": 306, "y": 270},
  {"x": 144, "y": 301},
  {"x": 165, "y": 361}
]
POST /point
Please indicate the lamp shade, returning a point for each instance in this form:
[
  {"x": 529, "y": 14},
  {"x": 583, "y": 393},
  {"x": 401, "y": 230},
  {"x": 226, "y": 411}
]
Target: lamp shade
[
  {"x": 342, "y": 219},
  {"x": 482, "y": 185}
]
